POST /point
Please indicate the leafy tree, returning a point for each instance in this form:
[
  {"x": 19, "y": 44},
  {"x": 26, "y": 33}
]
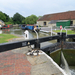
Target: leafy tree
[
  {"x": 7, "y": 17},
  {"x": 2, "y": 16},
  {"x": 23, "y": 21},
  {"x": 39, "y": 17},
  {"x": 31, "y": 19},
  {"x": 17, "y": 18},
  {"x": 10, "y": 21}
]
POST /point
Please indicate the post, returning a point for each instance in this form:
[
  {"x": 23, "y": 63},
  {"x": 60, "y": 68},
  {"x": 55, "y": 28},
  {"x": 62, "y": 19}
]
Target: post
[
  {"x": 36, "y": 33},
  {"x": 63, "y": 35},
  {"x": 51, "y": 31},
  {"x": 62, "y": 39},
  {"x": 61, "y": 43},
  {"x": 37, "y": 44}
]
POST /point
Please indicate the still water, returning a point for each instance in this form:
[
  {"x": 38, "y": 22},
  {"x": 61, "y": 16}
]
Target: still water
[{"x": 20, "y": 32}]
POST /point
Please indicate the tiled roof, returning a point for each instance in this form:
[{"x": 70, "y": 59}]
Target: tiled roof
[{"x": 70, "y": 15}]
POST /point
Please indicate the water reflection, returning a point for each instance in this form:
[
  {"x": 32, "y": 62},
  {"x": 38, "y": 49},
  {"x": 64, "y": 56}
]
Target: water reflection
[
  {"x": 6, "y": 31},
  {"x": 0, "y": 31},
  {"x": 20, "y": 32}
]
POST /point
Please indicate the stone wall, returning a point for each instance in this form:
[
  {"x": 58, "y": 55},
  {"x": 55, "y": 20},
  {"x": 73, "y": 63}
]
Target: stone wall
[
  {"x": 41, "y": 23},
  {"x": 73, "y": 22}
]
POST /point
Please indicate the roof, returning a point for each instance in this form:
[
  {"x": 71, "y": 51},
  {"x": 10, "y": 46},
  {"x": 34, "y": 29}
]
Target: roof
[
  {"x": 1, "y": 21},
  {"x": 69, "y": 15}
]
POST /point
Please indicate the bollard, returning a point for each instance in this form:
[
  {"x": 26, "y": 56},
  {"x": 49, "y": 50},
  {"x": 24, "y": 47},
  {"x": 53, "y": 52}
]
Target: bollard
[{"x": 26, "y": 34}]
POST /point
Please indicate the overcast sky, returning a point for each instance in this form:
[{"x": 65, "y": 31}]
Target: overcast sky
[{"x": 36, "y": 7}]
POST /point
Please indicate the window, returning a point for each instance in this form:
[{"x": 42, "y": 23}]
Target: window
[
  {"x": 44, "y": 23},
  {"x": 71, "y": 23}
]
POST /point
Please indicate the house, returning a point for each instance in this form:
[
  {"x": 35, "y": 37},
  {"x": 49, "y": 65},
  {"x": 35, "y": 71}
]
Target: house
[
  {"x": 51, "y": 19},
  {"x": 2, "y": 23}
]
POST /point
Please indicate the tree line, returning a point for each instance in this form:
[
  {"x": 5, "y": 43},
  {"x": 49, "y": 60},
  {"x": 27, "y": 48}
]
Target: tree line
[{"x": 18, "y": 19}]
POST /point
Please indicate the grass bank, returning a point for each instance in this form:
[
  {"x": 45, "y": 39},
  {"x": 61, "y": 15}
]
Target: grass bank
[
  {"x": 6, "y": 37},
  {"x": 68, "y": 31}
]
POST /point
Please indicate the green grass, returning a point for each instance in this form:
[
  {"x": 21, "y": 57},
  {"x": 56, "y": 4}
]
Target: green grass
[
  {"x": 6, "y": 37},
  {"x": 68, "y": 31}
]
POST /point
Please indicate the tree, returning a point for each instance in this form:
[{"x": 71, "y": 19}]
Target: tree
[
  {"x": 23, "y": 21},
  {"x": 31, "y": 19},
  {"x": 39, "y": 17},
  {"x": 7, "y": 17},
  {"x": 10, "y": 21},
  {"x": 2, "y": 16},
  {"x": 17, "y": 18}
]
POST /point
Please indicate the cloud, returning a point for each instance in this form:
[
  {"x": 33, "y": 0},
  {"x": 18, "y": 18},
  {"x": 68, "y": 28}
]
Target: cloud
[{"x": 37, "y": 7}]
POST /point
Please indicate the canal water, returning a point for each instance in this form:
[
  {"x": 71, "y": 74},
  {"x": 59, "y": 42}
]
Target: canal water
[{"x": 20, "y": 32}]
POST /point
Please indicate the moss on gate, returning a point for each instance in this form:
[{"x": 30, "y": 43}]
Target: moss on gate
[
  {"x": 68, "y": 54},
  {"x": 56, "y": 56},
  {"x": 70, "y": 57}
]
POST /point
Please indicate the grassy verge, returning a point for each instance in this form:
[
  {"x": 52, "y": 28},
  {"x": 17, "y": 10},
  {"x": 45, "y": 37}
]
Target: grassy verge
[
  {"x": 68, "y": 31},
  {"x": 6, "y": 37}
]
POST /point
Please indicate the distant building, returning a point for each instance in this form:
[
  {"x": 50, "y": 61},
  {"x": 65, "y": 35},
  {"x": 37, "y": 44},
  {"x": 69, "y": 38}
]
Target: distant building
[
  {"x": 1, "y": 22},
  {"x": 51, "y": 19}
]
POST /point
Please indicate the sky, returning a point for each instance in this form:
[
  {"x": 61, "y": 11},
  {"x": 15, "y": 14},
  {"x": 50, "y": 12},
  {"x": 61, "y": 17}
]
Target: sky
[{"x": 36, "y": 7}]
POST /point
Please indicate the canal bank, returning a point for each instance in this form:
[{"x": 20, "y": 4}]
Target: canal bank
[
  {"x": 20, "y": 48},
  {"x": 44, "y": 65},
  {"x": 16, "y": 62},
  {"x": 41, "y": 64}
]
